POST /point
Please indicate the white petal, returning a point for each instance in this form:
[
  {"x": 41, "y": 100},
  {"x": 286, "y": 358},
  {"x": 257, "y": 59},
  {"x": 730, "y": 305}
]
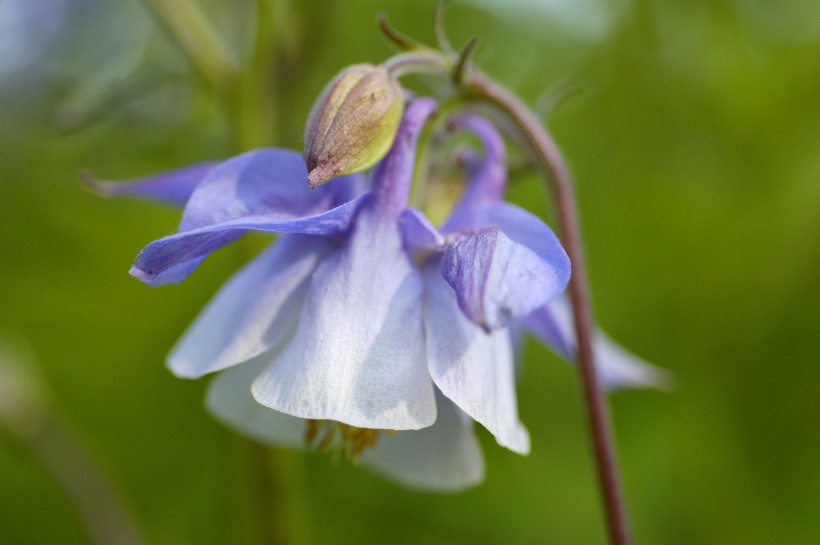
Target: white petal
[
  {"x": 358, "y": 353},
  {"x": 256, "y": 309},
  {"x": 472, "y": 368},
  {"x": 445, "y": 457},
  {"x": 229, "y": 399}
]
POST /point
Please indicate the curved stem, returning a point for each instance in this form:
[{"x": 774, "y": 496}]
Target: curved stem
[
  {"x": 426, "y": 61},
  {"x": 401, "y": 40},
  {"x": 550, "y": 159},
  {"x": 441, "y": 31},
  {"x": 99, "y": 505},
  {"x": 193, "y": 34},
  {"x": 252, "y": 101},
  {"x": 528, "y": 128}
]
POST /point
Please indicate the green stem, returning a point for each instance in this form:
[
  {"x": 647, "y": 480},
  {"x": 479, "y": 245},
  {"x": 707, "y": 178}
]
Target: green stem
[
  {"x": 286, "y": 469},
  {"x": 253, "y": 103},
  {"x": 426, "y": 62},
  {"x": 194, "y": 35},
  {"x": 97, "y": 502}
]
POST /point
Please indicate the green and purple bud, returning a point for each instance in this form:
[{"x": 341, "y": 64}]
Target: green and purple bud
[{"x": 353, "y": 123}]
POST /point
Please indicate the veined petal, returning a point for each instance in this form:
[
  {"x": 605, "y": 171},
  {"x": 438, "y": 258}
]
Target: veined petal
[
  {"x": 254, "y": 311},
  {"x": 445, "y": 457},
  {"x": 496, "y": 280},
  {"x": 418, "y": 233},
  {"x": 165, "y": 255},
  {"x": 357, "y": 356},
  {"x": 269, "y": 181},
  {"x": 487, "y": 175},
  {"x": 229, "y": 399},
  {"x": 472, "y": 368},
  {"x": 173, "y": 187},
  {"x": 545, "y": 326},
  {"x": 262, "y": 190},
  {"x": 394, "y": 174},
  {"x": 525, "y": 228},
  {"x": 617, "y": 367}
]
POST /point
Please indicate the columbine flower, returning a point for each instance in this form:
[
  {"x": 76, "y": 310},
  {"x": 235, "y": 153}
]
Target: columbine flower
[
  {"x": 363, "y": 317},
  {"x": 551, "y": 323}
]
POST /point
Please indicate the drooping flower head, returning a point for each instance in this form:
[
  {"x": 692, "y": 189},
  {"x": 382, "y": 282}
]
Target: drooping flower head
[{"x": 363, "y": 318}]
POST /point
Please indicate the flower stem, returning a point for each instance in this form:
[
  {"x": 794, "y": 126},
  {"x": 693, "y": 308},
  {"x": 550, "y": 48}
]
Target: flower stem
[
  {"x": 194, "y": 35},
  {"x": 286, "y": 475},
  {"x": 98, "y": 504},
  {"x": 252, "y": 103},
  {"x": 550, "y": 159}
]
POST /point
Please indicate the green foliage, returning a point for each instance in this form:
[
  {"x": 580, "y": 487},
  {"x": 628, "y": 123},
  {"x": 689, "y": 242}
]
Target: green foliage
[{"x": 693, "y": 141}]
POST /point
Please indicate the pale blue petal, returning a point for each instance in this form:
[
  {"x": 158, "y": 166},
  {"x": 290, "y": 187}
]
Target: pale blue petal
[
  {"x": 269, "y": 182},
  {"x": 262, "y": 190},
  {"x": 358, "y": 353},
  {"x": 544, "y": 325},
  {"x": 472, "y": 368},
  {"x": 254, "y": 311},
  {"x": 173, "y": 274},
  {"x": 418, "y": 233},
  {"x": 528, "y": 229},
  {"x": 617, "y": 367},
  {"x": 446, "y": 457},
  {"x": 498, "y": 281},
  {"x": 161, "y": 256},
  {"x": 230, "y": 401},
  {"x": 487, "y": 175},
  {"x": 173, "y": 187},
  {"x": 620, "y": 368},
  {"x": 393, "y": 176}
]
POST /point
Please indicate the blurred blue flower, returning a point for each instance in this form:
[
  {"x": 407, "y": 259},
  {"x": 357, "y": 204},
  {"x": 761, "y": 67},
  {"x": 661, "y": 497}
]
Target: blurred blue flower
[{"x": 362, "y": 313}]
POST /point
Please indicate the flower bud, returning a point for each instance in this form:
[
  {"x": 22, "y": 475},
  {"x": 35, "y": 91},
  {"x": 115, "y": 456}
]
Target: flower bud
[{"x": 353, "y": 123}]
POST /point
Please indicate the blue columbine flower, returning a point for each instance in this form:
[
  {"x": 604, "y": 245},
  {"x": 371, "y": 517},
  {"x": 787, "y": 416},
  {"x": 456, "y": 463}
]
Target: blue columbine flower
[
  {"x": 482, "y": 205},
  {"x": 363, "y": 316}
]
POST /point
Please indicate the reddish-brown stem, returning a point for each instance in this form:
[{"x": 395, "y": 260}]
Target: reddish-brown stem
[
  {"x": 550, "y": 159},
  {"x": 525, "y": 125}
]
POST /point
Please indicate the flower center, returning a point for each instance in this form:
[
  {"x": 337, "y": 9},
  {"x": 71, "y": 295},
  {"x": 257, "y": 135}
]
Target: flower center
[{"x": 340, "y": 439}]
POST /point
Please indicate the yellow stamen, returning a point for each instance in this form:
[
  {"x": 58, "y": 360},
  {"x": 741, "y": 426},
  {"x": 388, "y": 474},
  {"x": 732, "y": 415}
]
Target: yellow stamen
[{"x": 341, "y": 439}]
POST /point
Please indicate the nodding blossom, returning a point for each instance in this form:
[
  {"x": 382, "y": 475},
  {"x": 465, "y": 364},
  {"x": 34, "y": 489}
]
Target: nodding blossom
[{"x": 365, "y": 329}]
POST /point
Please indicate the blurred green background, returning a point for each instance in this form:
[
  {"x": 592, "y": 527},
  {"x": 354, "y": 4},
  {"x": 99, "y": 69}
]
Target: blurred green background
[{"x": 694, "y": 140}]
